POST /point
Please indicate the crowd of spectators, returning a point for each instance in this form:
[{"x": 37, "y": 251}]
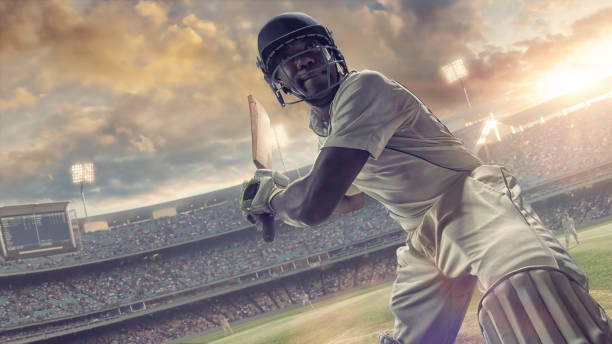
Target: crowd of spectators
[
  {"x": 164, "y": 273},
  {"x": 203, "y": 316},
  {"x": 274, "y": 295},
  {"x": 560, "y": 145},
  {"x": 227, "y": 247},
  {"x": 592, "y": 205},
  {"x": 187, "y": 227},
  {"x": 141, "y": 236}
]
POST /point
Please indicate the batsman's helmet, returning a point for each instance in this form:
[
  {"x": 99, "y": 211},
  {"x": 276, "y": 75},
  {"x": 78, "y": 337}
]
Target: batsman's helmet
[{"x": 286, "y": 28}]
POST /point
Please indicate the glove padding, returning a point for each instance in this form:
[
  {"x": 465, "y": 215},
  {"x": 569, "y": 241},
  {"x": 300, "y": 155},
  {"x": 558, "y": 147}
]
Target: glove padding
[{"x": 257, "y": 192}]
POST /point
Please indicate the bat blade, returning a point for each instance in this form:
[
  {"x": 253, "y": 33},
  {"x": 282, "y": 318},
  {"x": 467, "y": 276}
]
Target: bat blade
[
  {"x": 261, "y": 141},
  {"x": 261, "y": 135}
]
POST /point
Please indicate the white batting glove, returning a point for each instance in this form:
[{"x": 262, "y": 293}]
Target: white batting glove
[{"x": 257, "y": 192}]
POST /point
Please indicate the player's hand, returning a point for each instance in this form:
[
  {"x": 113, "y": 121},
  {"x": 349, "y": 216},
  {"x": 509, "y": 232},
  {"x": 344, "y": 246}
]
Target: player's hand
[{"x": 257, "y": 193}]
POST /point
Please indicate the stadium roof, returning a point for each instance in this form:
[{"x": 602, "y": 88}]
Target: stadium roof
[
  {"x": 478, "y": 112},
  {"x": 182, "y": 204},
  {"x": 28, "y": 209}
]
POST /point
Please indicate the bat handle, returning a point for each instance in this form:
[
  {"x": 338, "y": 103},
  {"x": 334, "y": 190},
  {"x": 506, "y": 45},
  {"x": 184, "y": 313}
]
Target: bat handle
[{"x": 267, "y": 226}]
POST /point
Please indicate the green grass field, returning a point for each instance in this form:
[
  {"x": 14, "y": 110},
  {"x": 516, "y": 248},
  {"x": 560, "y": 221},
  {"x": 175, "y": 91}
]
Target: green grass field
[{"x": 357, "y": 317}]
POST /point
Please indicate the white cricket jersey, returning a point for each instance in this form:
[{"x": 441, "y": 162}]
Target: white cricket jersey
[{"x": 413, "y": 156}]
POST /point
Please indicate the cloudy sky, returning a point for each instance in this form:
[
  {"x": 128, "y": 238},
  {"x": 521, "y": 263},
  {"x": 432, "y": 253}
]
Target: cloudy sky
[{"x": 155, "y": 93}]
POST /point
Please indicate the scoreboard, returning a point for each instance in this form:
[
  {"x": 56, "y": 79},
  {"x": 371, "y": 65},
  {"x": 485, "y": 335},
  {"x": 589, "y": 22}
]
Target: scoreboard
[
  {"x": 28, "y": 232},
  {"x": 35, "y": 230}
]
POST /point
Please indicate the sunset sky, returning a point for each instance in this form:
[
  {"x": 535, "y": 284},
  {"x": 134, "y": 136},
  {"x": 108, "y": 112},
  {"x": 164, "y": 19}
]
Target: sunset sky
[{"x": 155, "y": 93}]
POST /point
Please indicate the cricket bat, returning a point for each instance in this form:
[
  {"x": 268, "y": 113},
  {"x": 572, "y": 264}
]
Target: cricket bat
[{"x": 261, "y": 140}]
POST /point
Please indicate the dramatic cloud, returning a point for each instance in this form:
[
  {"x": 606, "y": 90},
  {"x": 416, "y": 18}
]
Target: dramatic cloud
[
  {"x": 22, "y": 98},
  {"x": 155, "y": 92}
]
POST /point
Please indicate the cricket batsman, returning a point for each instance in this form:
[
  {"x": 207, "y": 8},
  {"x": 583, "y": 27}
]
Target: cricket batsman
[
  {"x": 569, "y": 227},
  {"x": 467, "y": 223}
]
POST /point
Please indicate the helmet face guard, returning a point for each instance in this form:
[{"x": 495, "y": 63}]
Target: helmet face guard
[
  {"x": 283, "y": 76},
  {"x": 283, "y": 30}
]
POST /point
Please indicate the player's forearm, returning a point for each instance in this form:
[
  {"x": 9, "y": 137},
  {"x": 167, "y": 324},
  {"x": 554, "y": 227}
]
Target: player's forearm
[
  {"x": 298, "y": 206},
  {"x": 311, "y": 199}
]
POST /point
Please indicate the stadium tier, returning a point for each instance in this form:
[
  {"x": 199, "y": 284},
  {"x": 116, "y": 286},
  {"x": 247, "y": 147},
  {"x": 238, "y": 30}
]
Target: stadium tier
[
  {"x": 585, "y": 205},
  {"x": 558, "y": 146},
  {"x": 546, "y": 156},
  {"x": 57, "y": 294},
  {"x": 250, "y": 302},
  {"x": 162, "y": 278}
]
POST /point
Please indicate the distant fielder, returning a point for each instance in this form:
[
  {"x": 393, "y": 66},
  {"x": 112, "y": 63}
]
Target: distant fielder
[
  {"x": 467, "y": 223},
  {"x": 226, "y": 325},
  {"x": 306, "y": 300},
  {"x": 569, "y": 227}
]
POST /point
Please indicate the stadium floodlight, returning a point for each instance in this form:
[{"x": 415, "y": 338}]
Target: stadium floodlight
[
  {"x": 83, "y": 173},
  {"x": 490, "y": 124},
  {"x": 456, "y": 71}
]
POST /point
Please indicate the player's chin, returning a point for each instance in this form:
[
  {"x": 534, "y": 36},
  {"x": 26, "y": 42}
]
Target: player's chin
[
  {"x": 317, "y": 90},
  {"x": 320, "y": 94}
]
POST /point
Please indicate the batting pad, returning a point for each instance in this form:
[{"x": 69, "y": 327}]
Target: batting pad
[{"x": 541, "y": 305}]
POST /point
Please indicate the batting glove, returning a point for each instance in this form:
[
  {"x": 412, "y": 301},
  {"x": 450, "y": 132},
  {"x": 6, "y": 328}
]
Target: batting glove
[{"x": 257, "y": 192}]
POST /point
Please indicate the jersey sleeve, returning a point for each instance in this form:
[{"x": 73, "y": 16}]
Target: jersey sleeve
[
  {"x": 352, "y": 191},
  {"x": 367, "y": 111}
]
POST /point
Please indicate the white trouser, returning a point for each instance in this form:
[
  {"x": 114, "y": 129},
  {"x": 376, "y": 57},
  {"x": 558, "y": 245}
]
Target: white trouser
[{"x": 478, "y": 231}]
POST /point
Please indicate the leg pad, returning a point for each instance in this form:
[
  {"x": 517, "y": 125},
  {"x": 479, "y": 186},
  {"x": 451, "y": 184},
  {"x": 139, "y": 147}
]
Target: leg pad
[{"x": 541, "y": 305}]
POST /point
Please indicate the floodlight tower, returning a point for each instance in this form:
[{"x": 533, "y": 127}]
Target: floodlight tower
[
  {"x": 83, "y": 173},
  {"x": 455, "y": 71}
]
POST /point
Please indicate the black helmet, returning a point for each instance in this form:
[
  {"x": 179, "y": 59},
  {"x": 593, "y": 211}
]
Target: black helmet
[{"x": 287, "y": 27}]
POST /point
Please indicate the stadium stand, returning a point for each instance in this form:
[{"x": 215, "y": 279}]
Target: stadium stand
[
  {"x": 584, "y": 205},
  {"x": 153, "y": 280},
  {"x": 558, "y": 146},
  {"x": 28, "y": 301}
]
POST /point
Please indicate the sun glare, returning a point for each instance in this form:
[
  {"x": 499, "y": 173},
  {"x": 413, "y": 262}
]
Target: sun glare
[
  {"x": 588, "y": 64},
  {"x": 559, "y": 82}
]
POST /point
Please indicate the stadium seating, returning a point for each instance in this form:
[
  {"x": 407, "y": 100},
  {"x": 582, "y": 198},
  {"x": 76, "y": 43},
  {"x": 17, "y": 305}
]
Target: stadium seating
[
  {"x": 557, "y": 146},
  {"x": 537, "y": 153},
  {"x": 225, "y": 248},
  {"x": 213, "y": 260}
]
